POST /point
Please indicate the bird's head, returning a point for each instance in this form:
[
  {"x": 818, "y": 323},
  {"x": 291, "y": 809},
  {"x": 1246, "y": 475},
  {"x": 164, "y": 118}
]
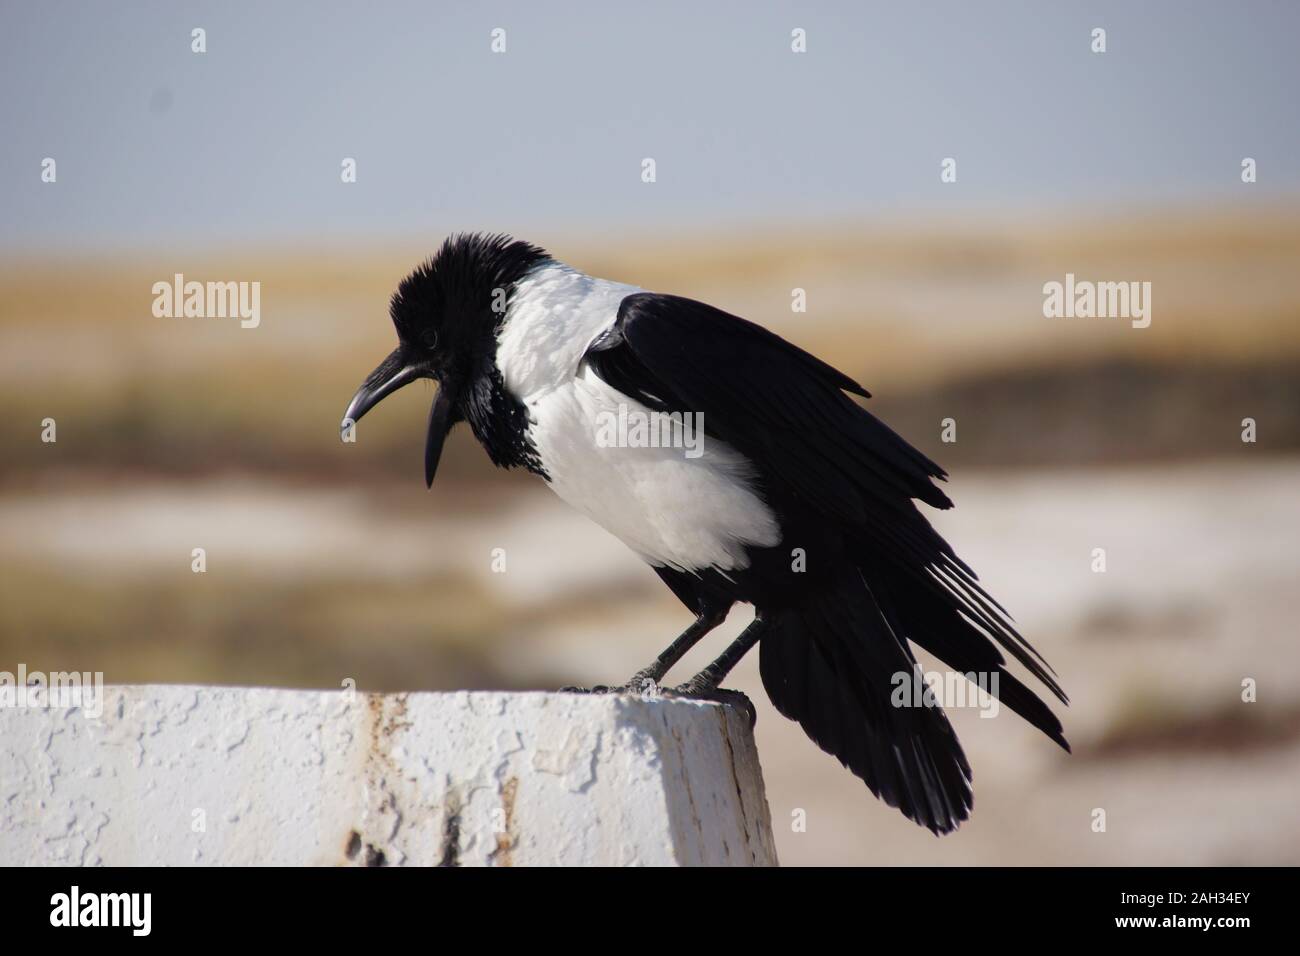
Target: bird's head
[{"x": 447, "y": 314}]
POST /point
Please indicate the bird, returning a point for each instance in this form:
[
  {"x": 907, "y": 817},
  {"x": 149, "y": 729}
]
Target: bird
[{"x": 793, "y": 498}]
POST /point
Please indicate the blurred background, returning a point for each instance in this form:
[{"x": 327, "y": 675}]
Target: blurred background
[{"x": 775, "y": 170}]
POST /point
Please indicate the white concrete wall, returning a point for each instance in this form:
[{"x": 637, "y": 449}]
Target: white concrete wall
[{"x": 201, "y": 775}]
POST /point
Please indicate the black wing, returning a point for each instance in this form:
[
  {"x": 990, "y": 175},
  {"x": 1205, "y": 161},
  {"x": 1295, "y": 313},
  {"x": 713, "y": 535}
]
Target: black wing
[{"x": 785, "y": 409}]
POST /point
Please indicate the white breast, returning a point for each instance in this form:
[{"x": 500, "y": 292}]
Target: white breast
[
  {"x": 554, "y": 315},
  {"x": 671, "y": 509}
]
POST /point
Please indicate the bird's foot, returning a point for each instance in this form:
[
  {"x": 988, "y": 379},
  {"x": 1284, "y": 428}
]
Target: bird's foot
[
  {"x": 640, "y": 685},
  {"x": 692, "y": 690},
  {"x": 643, "y": 686}
]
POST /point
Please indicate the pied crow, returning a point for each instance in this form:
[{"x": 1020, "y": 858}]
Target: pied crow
[{"x": 795, "y": 500}]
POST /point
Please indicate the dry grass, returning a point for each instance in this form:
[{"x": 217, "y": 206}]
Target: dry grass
[{"x": 908, "y": 309}]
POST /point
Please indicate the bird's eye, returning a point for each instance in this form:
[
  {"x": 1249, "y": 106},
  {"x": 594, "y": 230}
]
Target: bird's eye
[{"x": 430, "y": 339}]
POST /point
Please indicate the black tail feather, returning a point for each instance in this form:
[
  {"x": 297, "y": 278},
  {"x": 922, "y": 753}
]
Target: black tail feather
[
  {"x": 831, "y": 665},
  {"x": 946, "y": 630}
]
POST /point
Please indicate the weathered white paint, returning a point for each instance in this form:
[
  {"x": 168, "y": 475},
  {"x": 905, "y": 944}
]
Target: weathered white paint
[{"x": 328, "y": 778}]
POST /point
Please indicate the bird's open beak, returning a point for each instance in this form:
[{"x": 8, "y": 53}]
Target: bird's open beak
[
  {"x": 440, "y": 422},
  {"x": 392, "y": 374}
]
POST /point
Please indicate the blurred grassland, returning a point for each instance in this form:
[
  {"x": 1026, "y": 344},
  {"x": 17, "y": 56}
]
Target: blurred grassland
[
  {"x": 937, "y": 320},
  {"x": 929, "y": 318}
]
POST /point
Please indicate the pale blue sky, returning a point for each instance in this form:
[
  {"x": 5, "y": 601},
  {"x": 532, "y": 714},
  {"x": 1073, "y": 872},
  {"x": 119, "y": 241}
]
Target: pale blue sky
[{"x": 157, "y": 146}]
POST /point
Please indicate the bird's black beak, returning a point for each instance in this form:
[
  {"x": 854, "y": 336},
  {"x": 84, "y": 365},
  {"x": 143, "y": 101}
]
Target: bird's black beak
[
  {"x": 440, "y": 422},
  {"x": 393, "y": 373}
]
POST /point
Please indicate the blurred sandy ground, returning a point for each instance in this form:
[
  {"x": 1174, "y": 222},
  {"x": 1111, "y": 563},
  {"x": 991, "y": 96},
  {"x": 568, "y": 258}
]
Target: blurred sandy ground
[{"x": 328, "y": 561}]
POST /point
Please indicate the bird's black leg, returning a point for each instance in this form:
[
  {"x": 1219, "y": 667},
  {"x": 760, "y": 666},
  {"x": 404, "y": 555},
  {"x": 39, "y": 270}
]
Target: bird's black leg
[
  {"x": 706, "y": 682},
  {"x": 650, "y": 675},
  {"x": 654, "y": 673}
]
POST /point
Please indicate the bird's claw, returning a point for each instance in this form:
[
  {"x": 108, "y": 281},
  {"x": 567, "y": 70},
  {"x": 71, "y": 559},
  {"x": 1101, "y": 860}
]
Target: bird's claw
[
  {"x": 647, "y": 689},
  {"x": 728, "y": 698},
  {"x": 637, "y": 687}
]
